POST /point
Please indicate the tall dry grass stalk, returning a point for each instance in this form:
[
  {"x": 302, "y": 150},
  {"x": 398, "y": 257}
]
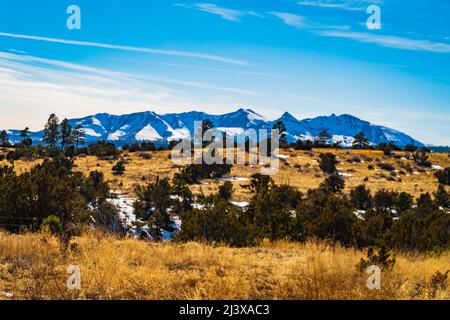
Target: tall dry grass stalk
[{"x": 34, "y": 266}]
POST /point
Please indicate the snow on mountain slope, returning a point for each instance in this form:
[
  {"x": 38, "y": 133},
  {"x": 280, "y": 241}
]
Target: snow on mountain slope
[
  {"x": 149, "y": 126},
  {"x": 148, "y": 133}
]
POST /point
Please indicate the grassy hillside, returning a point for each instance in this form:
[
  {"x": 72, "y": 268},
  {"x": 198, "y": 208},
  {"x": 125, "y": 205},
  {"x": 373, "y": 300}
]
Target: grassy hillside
[
  {"x": 300, "y": 170},
  {"x": 34, "y": 266}
]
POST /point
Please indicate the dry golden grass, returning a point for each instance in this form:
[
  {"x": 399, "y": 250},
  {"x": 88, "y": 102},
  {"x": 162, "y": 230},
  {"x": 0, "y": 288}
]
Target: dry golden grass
[
  {"x": 34, "y": 266},
  {"x": 300, "y": 170}
]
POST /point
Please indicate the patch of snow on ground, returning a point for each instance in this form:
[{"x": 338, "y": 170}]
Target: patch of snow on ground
[
  {"x": 345, "y": 175},
  {"x": 436, "y": 167},
  {"x": 176, "y": 222},
  {"x": 360, "y": 214},
  {"x": 198, "y": 206},
  {"x": 233, "y": 179},
  {"x": 125, "y": 207},
  {"x": 240, "y": 204},
  {"x": 282, "y": 156},
  {"x": 6, "y": 294}
]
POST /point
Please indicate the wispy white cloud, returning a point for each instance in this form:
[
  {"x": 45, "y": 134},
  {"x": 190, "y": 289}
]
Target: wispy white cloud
[
  {"x": 185, "y": 66},
  {"x": 351, "y": 5},
  {"x": 390, "y": 41},
  {"x": 186, "y": 54},
  {"x": 225, "y": 13},
  {"x": 33, "y": 87},
  {"x": 301, "y": 97},
  {"x": 17, "y": 51},
  {"x": 290, "y": 19}
]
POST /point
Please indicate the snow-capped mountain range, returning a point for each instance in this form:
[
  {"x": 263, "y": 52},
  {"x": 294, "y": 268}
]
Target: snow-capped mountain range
[{"x": 163, "y": 128}]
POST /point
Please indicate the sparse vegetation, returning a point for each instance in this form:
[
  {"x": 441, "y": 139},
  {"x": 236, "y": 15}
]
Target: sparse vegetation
[
  {"x": 119, "y": 168},
  {"x": 328, "y": 163},
  {"x": 443, "y": 176},
  {"x": 279, "y": 210},
  {"x": 115, "y": 268}
]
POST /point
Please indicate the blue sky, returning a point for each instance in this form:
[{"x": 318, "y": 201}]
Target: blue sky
[{"x": 308, "y": 57}]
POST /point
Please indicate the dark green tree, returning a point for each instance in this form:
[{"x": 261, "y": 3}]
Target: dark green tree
[
  {"x": 281, "y": 127},
  {"x": 410, "y": 148},
  {"x": 322, "y": 138},
  {"x": 443, "y": 176},
  {"x": 183, "y": 194},
  {"x": 79, "y": 136},
  {"x": 387, "y": 148},
  {"x": 220, "y": 222},
  {"x": 333, "y": 184},
  {"x": 51, "y": 131},
  {"x": 103, "y": 150},
  {"x": 421, "y": 157},
  {"x": 403, "y": 202},
  {"x": 152, "y": 204},
  {"x": 328, "y": 162},
  {"x": 361, "y": 198},
  {"x": 334, "y": 221},
  {"x": 226, "y": 191},
  {"x": 207, "y": 125},
  {"x": 25, "y": 133},
  {"x": 441, "y": 197},
  {"x": 4, "y": 139},
  {"x": 360, "y": 142},
  {"x": 119, "y": 168},
  {"x": 65, "y": 134},
  {"x": 26, "y": 140}
]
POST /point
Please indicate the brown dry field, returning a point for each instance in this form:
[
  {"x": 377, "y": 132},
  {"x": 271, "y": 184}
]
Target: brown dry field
[
  {"x": 300, "y": 170},
  {"x": 34, "y": 266}
]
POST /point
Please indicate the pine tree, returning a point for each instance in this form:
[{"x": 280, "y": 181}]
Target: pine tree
[
  {"x": 152, "y": 204},
  {"x": 65, "y": 134},
  {"x": 421, "y": 158},
  {"x": 442, "y": 197},
  {"x": 387, "y": 148},
  {"x": 226, "y": 191},
  {"x": 207, "y": 125},
  {"x": 119, "y": 168},
  {"x": 361, "y": 198},
  {"x": 328, "y": 163},
  {"x": 51, "y": 131},
  {"x": 281, "y": 127},
  {"x": 360, "y": 142},
  {"x": 322, "y": 138},
  {"x": 443, "y": 176},
  {"x": 25, "y": 135},
  {"x": 79, "y": 136},
  {"x": 4, "y": 139}
]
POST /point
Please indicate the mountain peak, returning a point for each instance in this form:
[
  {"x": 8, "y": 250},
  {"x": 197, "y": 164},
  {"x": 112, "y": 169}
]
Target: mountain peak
[
  {"x": 245, "y": 110},
  {"x": 250, "y": 114},
  {"x": 288, "y": 116},
  {"x": 128, "y": 128}
]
